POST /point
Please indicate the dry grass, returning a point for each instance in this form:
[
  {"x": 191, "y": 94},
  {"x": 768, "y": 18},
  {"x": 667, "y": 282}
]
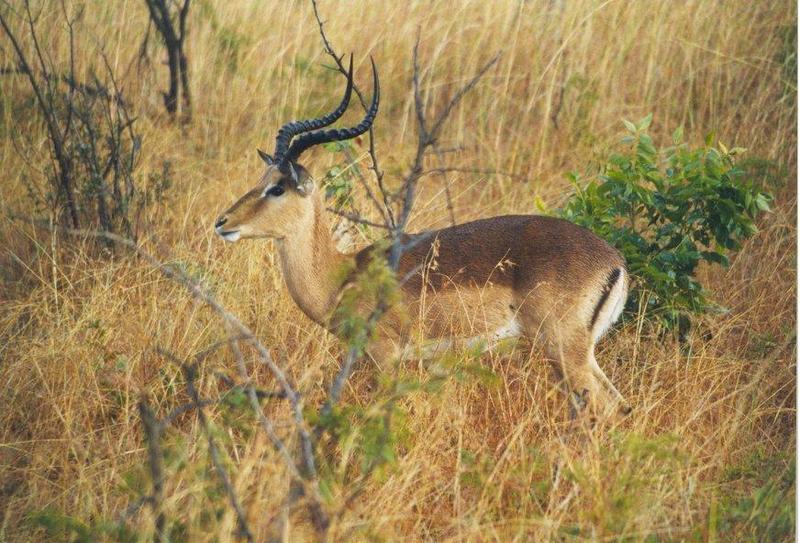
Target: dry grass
[{"x": 714, "y": 422}]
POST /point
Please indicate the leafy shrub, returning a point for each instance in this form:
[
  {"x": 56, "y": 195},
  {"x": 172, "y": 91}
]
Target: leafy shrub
[{"x": 667, "y": 211}]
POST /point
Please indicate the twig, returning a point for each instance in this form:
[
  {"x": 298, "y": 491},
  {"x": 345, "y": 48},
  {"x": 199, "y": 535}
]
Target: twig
[
  {"x": 356, "y": 218},
  {"x": 446, "y": 182},
  {"x": 199, "y": 357},
  {"x": 440, "y": 120},
  {"x": 46, "y": 108},
  {"x": 353, "y": 353},
  {"x": 370, "y": 195},
  {"x": 269, "y": 429},
  {"x": 427, "y": 137}
]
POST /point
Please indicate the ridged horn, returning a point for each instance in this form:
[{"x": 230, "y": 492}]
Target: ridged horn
[
  {"x": 302, "y": 143},
  {"x": 293, "y": 128}
]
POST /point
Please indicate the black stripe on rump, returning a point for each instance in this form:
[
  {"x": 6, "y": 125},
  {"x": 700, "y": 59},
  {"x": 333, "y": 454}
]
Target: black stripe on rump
[{"x": 613, "y": 277}]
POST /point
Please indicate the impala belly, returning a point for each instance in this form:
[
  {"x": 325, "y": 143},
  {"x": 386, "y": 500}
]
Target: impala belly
[{"x": 461, "y": 317}]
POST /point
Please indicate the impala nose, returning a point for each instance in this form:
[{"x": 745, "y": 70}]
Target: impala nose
[{"x": 220, "y": 222}]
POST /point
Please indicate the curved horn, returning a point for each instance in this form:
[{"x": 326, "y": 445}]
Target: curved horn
[
  {"x": 291, "y": 129},
  {"x": 337, "y": 134}
]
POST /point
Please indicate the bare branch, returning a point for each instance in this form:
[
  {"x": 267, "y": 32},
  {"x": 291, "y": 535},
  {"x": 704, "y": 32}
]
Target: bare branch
[
  {"x": 426, "y": 138},
  {"x": 46, "y": 108},
  {"x": 357, "y": 218},
  {"x": 232, "y": 386},
  {"x": 419, "y": 105},
  {"x": 446, "y": 182},
  {"x": 385, "y": 210},
  {"x": 440, "y": 120}
]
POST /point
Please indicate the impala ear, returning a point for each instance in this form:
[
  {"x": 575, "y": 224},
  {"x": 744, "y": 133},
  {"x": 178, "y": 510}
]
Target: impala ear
[
  {"x": 301, "y": 180},
  {"x": 265, "y": 157}
]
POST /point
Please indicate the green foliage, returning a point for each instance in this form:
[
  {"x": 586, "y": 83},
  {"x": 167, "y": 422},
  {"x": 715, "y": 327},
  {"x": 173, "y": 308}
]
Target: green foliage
[
  {"x": 632, "y": 470},
  {"x": 373, "y": 286},
  {"x": 764, "y": 513},
  {"x": 667, "y": 211},
  {"x": 463, "y": 365},
  {"x": 368, "y": 436},
  {"x": 340, "y": 178}
]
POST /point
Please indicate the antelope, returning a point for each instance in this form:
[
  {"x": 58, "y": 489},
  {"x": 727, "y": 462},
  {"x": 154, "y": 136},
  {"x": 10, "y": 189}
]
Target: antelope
[{"x": 516, "y": 276}]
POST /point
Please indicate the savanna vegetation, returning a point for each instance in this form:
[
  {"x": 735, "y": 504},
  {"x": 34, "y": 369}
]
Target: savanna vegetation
[{"x": 128, "y": 400}]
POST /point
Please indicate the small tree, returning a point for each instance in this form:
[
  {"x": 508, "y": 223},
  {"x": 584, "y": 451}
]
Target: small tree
[
  {"x": 171, "y": 25},
  {"x": 666, "y": 211}
]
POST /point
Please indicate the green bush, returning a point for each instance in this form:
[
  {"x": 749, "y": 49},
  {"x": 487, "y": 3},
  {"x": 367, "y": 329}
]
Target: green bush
[{"x": 667, "y": 211}]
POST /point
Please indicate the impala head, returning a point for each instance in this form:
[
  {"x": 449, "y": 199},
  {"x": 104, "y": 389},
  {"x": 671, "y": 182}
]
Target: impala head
[{"x": 281, "y": 201}]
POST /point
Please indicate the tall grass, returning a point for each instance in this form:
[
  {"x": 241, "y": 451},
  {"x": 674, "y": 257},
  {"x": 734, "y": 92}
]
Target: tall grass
[{"x": 708, "y": 453}]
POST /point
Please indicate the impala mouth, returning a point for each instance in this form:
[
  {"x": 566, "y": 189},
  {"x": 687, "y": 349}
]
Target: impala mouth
[{"x": 230, "y": 235}]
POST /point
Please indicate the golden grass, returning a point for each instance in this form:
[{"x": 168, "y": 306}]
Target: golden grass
[{"x": 78, "y": 331}]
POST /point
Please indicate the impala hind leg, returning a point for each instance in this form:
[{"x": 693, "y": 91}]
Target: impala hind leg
[
  {"x": 590, "y": 391},
  {"x": 571, "y": 362},
  {"x": 617, "y": 398}
]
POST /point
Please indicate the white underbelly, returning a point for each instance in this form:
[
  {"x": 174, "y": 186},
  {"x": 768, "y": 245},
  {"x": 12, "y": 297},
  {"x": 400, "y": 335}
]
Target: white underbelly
[{"x": 434, "y": 347}]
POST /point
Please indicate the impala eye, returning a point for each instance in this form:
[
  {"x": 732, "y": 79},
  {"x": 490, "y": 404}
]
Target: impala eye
[{"x": 274, "y": 190}]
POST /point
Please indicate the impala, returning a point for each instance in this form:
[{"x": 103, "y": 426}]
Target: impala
[{"x": 540, "y": 278}]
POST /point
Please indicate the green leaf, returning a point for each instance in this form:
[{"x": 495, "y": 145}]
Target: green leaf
[
  {"x": 629, "y": 125},
  {"x": 644, "y": 122},
  {"x": 762, "y": 202}
]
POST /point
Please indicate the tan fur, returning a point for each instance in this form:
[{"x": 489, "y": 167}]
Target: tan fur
[{"x": 538, "y": 277}]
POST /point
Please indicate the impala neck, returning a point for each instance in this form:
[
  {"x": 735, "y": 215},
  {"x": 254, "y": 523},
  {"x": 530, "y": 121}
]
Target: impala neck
[{"x": 312, "y": 266}]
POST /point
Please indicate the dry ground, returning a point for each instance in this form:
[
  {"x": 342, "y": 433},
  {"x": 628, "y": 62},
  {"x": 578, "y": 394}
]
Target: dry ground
[{"x": 714, "y": 421}]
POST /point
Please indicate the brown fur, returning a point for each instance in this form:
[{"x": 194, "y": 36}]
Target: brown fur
[{"x": 545, "y": 276}]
